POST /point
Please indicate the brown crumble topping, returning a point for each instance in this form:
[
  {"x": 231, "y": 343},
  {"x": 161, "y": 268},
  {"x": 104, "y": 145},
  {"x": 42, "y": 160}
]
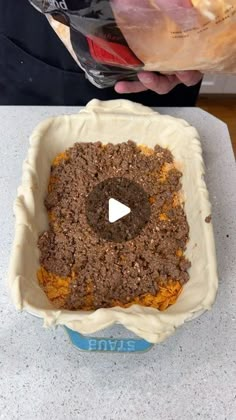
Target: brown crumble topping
[{"x": 81, "y": 271}]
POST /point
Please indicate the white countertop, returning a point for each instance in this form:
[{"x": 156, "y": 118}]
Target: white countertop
[{"x": 191, "y": 375}]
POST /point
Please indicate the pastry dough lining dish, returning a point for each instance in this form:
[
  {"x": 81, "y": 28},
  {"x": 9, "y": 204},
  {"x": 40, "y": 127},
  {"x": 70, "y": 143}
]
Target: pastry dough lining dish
[{"x": 114, "y": 121}]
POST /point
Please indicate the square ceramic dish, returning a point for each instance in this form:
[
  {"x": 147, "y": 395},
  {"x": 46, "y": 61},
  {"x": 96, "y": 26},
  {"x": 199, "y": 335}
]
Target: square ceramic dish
[{"x": 114, "y": 121}]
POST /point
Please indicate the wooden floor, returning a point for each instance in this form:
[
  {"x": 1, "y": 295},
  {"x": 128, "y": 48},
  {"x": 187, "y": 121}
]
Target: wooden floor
[{"x": 224, "y": 108}]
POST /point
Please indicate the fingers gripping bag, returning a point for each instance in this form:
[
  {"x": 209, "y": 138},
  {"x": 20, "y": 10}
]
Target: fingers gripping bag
[{"x": 113, "y": 40}]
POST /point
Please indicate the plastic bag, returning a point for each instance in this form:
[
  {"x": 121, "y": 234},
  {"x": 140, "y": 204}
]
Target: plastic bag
[{"x": 112, "y": 40}]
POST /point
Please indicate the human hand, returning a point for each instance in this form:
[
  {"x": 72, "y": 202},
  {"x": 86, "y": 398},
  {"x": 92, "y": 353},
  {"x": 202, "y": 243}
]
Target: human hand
[{"x": 161, "y": 84}]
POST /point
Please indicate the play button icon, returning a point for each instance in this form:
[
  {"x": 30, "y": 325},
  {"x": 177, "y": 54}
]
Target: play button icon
[{"x": 117, "y": 209}]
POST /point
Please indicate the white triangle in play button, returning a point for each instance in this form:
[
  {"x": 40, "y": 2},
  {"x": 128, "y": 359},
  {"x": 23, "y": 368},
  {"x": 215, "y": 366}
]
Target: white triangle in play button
[{"x": 116, "y": 210}]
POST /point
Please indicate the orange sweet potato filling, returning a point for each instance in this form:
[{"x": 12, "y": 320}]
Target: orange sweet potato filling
[
  {"x": 59, "y": 158},
  {"x": 58, "y": 288}
]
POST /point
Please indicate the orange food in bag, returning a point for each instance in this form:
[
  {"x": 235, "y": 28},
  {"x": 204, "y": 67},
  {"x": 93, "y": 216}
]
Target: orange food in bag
[{"x": 202, "y": 37}]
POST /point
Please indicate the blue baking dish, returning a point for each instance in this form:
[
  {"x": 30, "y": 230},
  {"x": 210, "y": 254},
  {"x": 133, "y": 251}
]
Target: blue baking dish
[{"x": 107, "y": 344}]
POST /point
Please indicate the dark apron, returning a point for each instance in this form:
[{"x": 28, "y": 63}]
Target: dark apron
[{"x": 36, "y": 68}]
